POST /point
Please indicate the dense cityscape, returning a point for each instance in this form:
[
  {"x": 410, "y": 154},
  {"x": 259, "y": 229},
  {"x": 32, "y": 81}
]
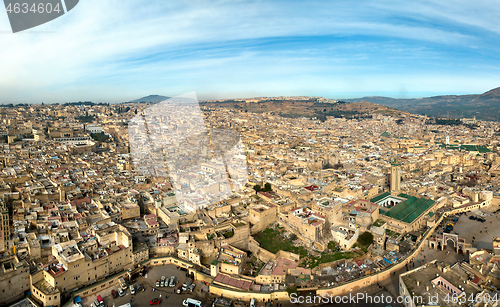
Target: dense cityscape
[{"x": 397, "y": 204}]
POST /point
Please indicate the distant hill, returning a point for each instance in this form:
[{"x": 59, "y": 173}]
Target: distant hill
[
  {"x": 484, "y": 106},
  {"x": 151, "y": 98}
]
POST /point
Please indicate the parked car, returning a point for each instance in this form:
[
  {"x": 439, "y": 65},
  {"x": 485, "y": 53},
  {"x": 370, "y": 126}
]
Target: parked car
[
  {"x": 114, "y": 293},
  {"x": 186, "y": 284},
  {"x": 121, "y": 292},
  {"x": 132, "y": 289},
  {"x": 162, "y": 283},
  {"x": 179, "y": 289},
  {"x": 191, "y": 302},
  {"x": 155, "y": 301},
  {"x": 139, "y": 287},
  {"x": 191, "y": 287},
  {"x": 157, "y": 283},
  {"x": 123, "y": 284},
  {"x": 100, "y": 300},
  {"x": 172, "y": 282}
]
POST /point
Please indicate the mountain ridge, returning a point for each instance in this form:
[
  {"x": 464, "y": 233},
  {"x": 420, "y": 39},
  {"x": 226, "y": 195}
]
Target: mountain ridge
[{"x": 485, "y": 106}]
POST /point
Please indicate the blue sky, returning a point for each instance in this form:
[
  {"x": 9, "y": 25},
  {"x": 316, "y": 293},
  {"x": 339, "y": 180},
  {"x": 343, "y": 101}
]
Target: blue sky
[{"x": 115, "y": 51}]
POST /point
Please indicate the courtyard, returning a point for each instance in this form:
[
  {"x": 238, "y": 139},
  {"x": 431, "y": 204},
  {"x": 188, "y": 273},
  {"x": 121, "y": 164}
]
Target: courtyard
[{"x": 477, "y": 233}]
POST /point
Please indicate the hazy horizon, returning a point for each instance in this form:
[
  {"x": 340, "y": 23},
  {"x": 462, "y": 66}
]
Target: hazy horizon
[{"x": 360, "y": 95}]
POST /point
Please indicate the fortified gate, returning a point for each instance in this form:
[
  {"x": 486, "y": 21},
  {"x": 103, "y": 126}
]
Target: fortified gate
[{"x": 440, "y": 242}]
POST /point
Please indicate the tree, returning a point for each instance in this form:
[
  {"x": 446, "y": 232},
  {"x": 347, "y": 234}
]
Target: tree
[
  {"x": 100, "y": 137},
  {"x": 291, "y": 290},
  {"x": 267, "y": 187},
  {"x": 257, "y": 188},
  {"x": 365, "y": 239},
  {"x": 293, "y": 237},
  {"x": 332, "y": 245}
]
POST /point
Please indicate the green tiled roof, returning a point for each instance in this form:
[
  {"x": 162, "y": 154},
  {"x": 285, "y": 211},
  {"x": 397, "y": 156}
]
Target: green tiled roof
[
  {"x": 379, "y": 197},
  {"x": 399, "y": 209},
  {"x": 481, "y": 149},
  {"x": 410, "y": 209},
  {"x": 431, "y": 214},
  {"x": 418, "y": 211},
  {"x": 386, "y": 134},
  {"x": 404, "y": 195}
]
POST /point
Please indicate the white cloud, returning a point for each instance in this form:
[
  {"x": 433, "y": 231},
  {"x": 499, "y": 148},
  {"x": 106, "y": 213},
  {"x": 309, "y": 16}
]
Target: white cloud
[{"x": 100, "y": 48}]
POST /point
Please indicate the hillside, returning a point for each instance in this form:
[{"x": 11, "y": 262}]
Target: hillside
[
  {"x": 484, "y": 106},
  {"x": 306, "y": 108}
]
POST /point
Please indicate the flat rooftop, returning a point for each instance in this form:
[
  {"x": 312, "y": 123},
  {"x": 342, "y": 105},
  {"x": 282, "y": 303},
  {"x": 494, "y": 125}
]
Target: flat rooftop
[
  {"x": 233, "y": 282},
  {"x": 278, "y": 267},
  {"x": 454, "y": 277}
]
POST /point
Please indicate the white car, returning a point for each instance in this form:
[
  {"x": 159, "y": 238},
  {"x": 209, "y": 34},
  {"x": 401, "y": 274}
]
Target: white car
[
  {"x": 191, "y": 302},
  {"x": 121, "y": 292},
  {"x": 132, "y": 289}
]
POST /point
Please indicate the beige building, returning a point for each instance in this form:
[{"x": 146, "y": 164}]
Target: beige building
[
  {"x": 73, "y": 265},
  {"x": 275, "y": 271},
  {"x": 395, "y": 177},
  {"x": 307, "y": 222},
  {"x": 496, "y": 245},
  {"x": 261, "y": 215},
  {"x": 130, "y": 211},
  {"x": 231, "y": 260},
  {"x": 4, "y": 227},
  {"x": 189, "y": 252},
  {"x": 14, "y": 279}
]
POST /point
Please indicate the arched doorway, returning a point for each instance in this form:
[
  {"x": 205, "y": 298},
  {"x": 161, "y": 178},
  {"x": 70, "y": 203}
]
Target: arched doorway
[{"x": 450, "y": 245}]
